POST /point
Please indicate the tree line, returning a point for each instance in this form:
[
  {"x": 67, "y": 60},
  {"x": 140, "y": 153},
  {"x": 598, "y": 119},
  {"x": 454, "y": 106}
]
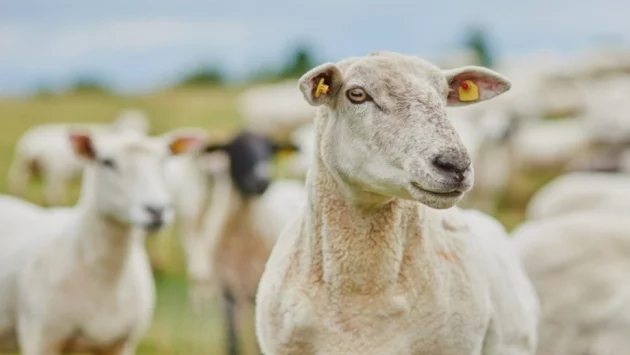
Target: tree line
[{"x": 301, "y": 60}]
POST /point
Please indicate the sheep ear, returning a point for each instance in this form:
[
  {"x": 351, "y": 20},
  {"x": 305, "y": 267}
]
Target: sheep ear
[
  {"x": 321, "y": 84},
  {"x": 284, "y": 148},
  {"x": 184, "y": 140},
  {"x": 186, "y": 144},
  {"x": 472, "y": 84},
  {"x": 82, "y": 145},
  {"x": 212, "y": 148}
]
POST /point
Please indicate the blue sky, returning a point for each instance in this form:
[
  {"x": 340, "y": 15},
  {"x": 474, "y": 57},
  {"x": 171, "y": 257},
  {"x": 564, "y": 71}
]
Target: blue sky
[{"x": 139, "y": 45}]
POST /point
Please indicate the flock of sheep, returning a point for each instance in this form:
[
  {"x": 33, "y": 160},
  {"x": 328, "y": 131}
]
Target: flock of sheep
[{"x": 369, "y": 255}]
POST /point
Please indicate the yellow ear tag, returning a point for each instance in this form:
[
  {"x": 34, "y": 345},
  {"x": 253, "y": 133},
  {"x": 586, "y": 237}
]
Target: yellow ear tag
[
  {"x": 285, "y": 153},
  {"x": 468, "y": 91},
  {"x": 179, "y": 146},
  {"x": 321, "y": 88}
]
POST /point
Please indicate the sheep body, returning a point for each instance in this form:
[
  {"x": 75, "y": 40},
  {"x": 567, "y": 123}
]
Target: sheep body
[
  {"x": 548, "y": 143},
  {"x": 230, "y": 215},
  {"x": 577, "y": 191},
  {"x": 579, "y": 264},
  {"x": 303, "y": 137},
  {"x": 39, "y": 257},
  {"x": 274, "y": 110}
]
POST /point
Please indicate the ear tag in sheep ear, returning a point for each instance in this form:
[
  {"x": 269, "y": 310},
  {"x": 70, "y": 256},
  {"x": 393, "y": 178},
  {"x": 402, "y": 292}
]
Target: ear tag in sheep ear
[
  {"x": 285, "y": 153},
  {"x": 181, "y": 145},
  {"x": 468, "y": 91},
  {"x": 321, "y": 88}
]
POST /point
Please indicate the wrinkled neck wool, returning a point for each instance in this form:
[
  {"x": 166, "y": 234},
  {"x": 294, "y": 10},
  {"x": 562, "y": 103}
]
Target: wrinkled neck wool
[
  {"x": 104, "y": 244},
  {"x": 354, "y": 248}
]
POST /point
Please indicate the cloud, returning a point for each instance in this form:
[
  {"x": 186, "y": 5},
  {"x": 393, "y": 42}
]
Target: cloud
[
  {"x": 71, "y": 43},
  {"x": 137, "y": 44}
]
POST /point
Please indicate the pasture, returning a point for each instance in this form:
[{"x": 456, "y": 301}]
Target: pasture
[{"x": 175, "y": 328}]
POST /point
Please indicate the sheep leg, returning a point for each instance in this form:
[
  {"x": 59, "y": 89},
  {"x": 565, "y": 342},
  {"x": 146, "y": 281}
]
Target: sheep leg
[
  {"x": 258, "y": 349},
  {"x": 19, "y": 175},
  {"x": 128, "y": 348},
  {"x": 491, "y": 340},
  {"x": 230, "y": 315},
  {"x": 32, "y": 341},
  {"x": 54, "y": 190}
]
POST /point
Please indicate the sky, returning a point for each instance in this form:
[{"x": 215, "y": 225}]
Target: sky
[{"x": 142, "y": 45}]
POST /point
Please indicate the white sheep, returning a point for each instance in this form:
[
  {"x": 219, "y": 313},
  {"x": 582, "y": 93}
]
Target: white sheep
[
  {"x": 78, "y": 279},
  {"x": 604, "y": 124},
  {"x": 304, "y": 138},
  {"x": 579, "y": 264},
  {"x": 531, "y": 95},
  {"x": 379, "y": 262},
  {"x": 274, "y": 110},
  {"x": 230, "y": 213},
  {"x": 543, "y": 144},
  {"x": 579, "y": 191},
  {"x": 44, "y": 150}
]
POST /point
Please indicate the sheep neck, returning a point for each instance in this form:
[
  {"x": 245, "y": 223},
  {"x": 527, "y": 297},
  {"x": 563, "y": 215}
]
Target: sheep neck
[
  {"x": 103, "y": 244},
  {"x": 356, "y": 245},
  {"x": 225, "y": 207}
]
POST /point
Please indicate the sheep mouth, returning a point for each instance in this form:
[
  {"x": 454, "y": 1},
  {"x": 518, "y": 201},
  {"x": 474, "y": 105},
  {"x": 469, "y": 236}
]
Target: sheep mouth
[
  {"x": 439, "y": 194},
  {"x": 154, "y": 226}
]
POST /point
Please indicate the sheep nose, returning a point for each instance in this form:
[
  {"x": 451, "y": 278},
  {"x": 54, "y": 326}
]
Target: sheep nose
[
  {"x": 261, "y": 186},
  {"x": 452, "y": 165},
  {"x": 155, "y": 211}
]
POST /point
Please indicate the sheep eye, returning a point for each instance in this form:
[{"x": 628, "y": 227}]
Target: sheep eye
[
  {"x": 108, "y": 163},
  {"x": 357, "y": 95}
]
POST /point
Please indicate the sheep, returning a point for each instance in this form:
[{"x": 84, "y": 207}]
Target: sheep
[
  {"x": 548, "y": 143},
  {"x": 578, "y": 191},
  {"x": 606, "y": 158},
  {"x": 230, "y": 214},
  {"x": 44, "y": 150},
  {"x": 380, "y": 261},
  {"x": 274, "y": 110},
  {"x": 579, "y": 264},
  {"x": 77, "y": 279},
  {"x": 304, "y": 138},
  {"x": 531, "y": 96},
  {"x": 606, "y": 125}
]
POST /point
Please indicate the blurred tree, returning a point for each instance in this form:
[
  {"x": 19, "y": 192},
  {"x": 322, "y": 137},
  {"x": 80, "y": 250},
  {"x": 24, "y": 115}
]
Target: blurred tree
[
  {"x": 478, "y": 41},
  {"x": 300, "y": 63},
  {"x": 88, "y": 84},
  {"x": 210, "y": 75},
  {"x": 43, "y": 92},
  {"x": 263, "y": 75}
]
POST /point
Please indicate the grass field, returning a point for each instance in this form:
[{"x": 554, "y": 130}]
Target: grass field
[{"x": 175, "y": 329}]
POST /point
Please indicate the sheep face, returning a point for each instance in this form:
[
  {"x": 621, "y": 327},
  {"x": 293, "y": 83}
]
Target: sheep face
[
  {"x": 248, "y": 158},
  {"x": 126, "y": 180},
  {"x": 384, "y": 128}
]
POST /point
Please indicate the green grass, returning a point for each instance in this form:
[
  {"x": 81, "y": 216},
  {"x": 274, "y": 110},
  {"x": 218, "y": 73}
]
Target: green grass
[{"x": 175, "y": 329}]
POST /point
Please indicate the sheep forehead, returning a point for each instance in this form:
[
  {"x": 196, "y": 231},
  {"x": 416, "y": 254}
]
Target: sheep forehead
[
  {"x": 394, "y": 75},
  {"x": 129, "y": 145}
]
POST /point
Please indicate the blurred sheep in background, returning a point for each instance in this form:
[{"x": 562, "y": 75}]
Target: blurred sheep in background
[{"x": 44, "y": 150}]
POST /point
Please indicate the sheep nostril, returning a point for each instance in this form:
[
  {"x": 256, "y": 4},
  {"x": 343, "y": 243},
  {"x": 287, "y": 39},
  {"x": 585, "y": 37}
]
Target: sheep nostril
[
  {"x": 155, "y": 211},
  {"x": 452, "y": 166}
]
